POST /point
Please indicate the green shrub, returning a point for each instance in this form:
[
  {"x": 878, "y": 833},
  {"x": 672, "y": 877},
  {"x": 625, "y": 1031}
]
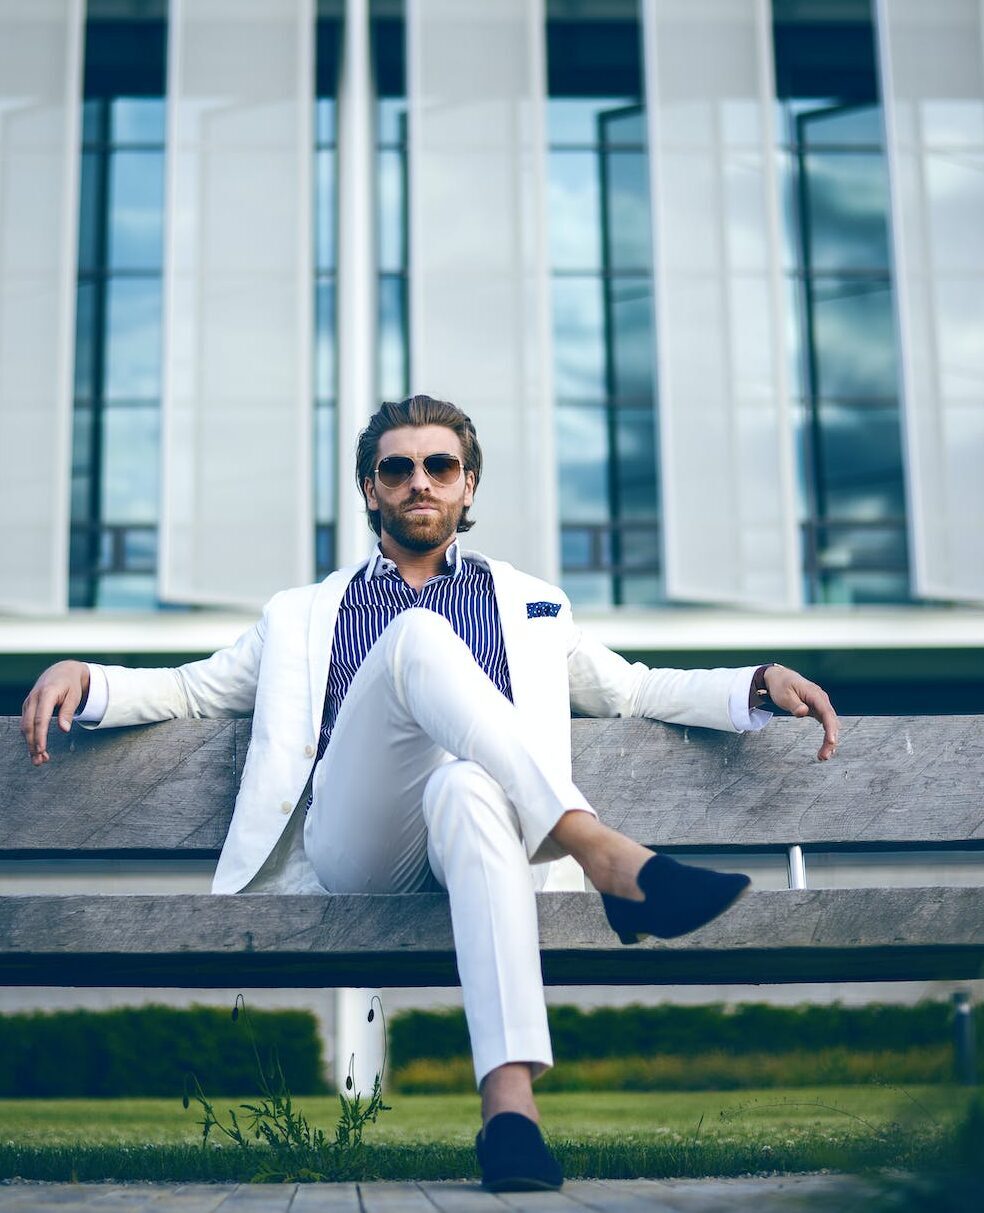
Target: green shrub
[
  {"x": 635, "y": 1031},
  {"x": 149, "y": 1050},
  {"x": 714, "y": 1070}
]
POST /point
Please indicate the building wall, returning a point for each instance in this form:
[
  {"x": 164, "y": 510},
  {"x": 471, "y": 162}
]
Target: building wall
[{"x": 653, "y": 251}]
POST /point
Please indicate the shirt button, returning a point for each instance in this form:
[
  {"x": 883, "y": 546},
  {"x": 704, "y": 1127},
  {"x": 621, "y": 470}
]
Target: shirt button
[
  {"x": 309, "y": 751},
  {"x": 286, "y": 807}
]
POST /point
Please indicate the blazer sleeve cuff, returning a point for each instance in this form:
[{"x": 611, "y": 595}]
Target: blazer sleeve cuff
[{"x": 744, "y": 718}]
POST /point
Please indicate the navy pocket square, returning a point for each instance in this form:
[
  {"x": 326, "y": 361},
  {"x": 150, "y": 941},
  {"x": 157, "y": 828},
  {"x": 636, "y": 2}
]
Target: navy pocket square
[{"x": 537, "y": 610}]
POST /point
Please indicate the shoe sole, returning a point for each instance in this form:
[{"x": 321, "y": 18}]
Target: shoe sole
[{"x": 519, "y": 1184}]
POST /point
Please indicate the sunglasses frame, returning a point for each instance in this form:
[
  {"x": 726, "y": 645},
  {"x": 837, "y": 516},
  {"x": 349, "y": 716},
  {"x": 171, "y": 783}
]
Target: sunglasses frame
[{"x": 421, "y": 463}]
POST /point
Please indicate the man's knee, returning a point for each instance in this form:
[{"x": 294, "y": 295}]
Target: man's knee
[
  {"x": 462, "y": 790},
  {"x": 418, "y": 623}
]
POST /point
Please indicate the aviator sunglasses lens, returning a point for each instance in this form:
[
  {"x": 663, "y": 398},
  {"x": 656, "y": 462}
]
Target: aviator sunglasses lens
[{"x": 395, "y": 470}]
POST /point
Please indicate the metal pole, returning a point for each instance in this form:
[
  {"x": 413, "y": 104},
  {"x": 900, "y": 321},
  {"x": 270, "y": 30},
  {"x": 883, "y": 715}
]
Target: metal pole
[
  {"x": 797, "y": 867},
  {"x": 964, "y": 1044}
]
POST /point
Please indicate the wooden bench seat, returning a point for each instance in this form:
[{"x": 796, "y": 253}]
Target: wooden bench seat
[{"x": 165, "y": 792}]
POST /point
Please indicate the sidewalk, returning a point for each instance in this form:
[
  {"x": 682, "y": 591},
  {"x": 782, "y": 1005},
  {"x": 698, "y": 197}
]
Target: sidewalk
[{"x": 773, "y": 1194}]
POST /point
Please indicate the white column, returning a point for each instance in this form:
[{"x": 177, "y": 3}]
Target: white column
[
  {"x": 356, "y": 297},
  {"x": 932, "y": 69},
  {"x": 359, "y": 1044},
  {"x": 726, "y": 443},
  {"x": 237, "y": 514},
  {"x": 479, "y": 275},
  {"x": 40, "y": 107}
]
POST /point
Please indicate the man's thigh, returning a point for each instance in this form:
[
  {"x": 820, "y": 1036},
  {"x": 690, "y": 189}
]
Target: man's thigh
[{"x": 365, "y": 830}]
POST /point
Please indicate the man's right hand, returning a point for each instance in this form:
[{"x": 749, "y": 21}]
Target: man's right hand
[{"x": 62, "y": 687}]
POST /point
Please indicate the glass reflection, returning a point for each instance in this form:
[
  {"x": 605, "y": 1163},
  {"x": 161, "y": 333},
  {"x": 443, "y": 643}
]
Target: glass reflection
[
  {"x": 579, "y": 339},
  {"x": 129, "y": 471},
  {"x": 393, "y": 338},
  {"x": 324, "y": 211},
  {"x": 137, "y": 120},
  {"x": 324, "y": 340},
  {"x": 133, "y": 339},
  {"x": 847, "y": 209},
  {"x": 325, "y": 492},
  {"x": 582, "y": 436},
  {"x": 136, "y": 210},
  {"x": 854, "y": 333},
  {"x": 627, "y": 226},
  {"x": 392, "y": 203},
  {"x": 631, "y": 318},
  {"x": 635, "y": 443},
  {"x": 575, "y": 214},
  {"x": 576, "y": 548},
  {"x": 85, "y": 340},
  {"x": 591, "y": 590},
  {"x": 573, "y": 121},
  {"x": 862, "y": 456},
  {"x": 90, "y": 214}
]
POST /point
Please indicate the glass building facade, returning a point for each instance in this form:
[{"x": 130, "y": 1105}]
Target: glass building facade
[
  {"x": 838, "y": 264},
  {"x": 840, "y": 303},
  {"x": 601, "y": 262},
  {"x": 116, "y": 448}
]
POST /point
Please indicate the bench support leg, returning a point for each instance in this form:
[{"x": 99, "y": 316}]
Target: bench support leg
[{"x": 359, "y": 1044}]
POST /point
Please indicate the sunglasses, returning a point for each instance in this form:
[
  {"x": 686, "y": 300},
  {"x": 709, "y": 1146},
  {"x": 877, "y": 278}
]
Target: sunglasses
[{"x": 395, "y": 470}]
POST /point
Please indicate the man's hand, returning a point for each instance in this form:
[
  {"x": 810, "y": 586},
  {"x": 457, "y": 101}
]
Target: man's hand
[
  {"x": 62, "y": 687},
  {"x": 799, "y": 696}
]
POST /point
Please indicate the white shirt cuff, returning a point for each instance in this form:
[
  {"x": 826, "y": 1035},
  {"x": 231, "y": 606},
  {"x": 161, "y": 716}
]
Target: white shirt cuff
[
  {"x": 98, "y": 700},
  {"x": 745, "y": 719}
]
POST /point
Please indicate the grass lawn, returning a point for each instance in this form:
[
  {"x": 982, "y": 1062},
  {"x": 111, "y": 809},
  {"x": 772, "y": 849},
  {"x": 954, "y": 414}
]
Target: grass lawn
[
  {"x": 595, "y": 1134},
  {"x": 453, "y": 1119}
]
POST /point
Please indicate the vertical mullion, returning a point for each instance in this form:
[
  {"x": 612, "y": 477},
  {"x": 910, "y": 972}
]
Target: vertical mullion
[{"x": 611, "y": 427}]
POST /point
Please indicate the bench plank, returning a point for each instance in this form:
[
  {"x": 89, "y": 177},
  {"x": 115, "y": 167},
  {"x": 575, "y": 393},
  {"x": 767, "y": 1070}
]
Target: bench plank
[
  {"x": 171, "y": 787},
  {"x": 204, "y": 940}
]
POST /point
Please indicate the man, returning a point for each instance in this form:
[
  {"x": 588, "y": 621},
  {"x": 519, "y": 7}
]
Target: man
[{"x": 418, "y": 708}]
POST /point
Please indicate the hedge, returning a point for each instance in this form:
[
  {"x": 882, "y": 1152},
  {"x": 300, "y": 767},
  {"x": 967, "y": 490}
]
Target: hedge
[
  {"x": 149, "y": 1050},
  {"x": 749, "y": 1028},
  {"x": 714, "y": 1070}
]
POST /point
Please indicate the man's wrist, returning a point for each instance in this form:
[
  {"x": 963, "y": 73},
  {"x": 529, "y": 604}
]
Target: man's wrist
[{"x": 758, "y": 692}]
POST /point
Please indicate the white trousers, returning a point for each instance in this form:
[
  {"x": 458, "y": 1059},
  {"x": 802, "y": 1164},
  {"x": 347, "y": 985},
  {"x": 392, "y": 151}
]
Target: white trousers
[{"x": 428, "y": 772}]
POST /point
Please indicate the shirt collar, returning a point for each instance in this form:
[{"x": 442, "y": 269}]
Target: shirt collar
[{"x": 380, "y": 564}]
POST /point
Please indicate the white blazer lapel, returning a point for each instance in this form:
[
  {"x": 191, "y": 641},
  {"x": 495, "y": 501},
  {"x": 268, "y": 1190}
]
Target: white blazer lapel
[
  {"x": 321, "y": 636},
  {"x": 510, "y": 597}
]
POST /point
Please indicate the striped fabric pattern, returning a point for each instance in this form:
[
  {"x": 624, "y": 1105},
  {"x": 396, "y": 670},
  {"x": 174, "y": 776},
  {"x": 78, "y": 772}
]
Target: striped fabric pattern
[{"x": 465, "y": 598}]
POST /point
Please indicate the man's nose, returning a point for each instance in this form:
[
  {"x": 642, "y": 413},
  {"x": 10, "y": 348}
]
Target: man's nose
[{"x": 419, "y": 480}]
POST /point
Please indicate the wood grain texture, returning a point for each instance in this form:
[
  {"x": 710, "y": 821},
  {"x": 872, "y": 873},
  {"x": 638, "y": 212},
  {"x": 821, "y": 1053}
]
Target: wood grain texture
[
  {"x": 204, "y": 940},
  {"x": 171, "y": 787}
]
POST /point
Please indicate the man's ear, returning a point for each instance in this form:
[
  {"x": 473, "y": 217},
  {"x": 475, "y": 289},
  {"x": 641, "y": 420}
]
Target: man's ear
[
  {"x": 469, "y": 488},
  {"x": 369, "y": 492}
]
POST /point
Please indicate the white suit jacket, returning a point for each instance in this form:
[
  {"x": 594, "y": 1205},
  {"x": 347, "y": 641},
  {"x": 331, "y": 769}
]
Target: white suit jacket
[{"x": 278, "y": 670}]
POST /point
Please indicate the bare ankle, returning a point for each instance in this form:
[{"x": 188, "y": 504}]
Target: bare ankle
[{"x": 509, "y": 1088}]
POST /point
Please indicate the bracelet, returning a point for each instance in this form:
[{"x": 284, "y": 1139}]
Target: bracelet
[{"x": 761, "y": 691}]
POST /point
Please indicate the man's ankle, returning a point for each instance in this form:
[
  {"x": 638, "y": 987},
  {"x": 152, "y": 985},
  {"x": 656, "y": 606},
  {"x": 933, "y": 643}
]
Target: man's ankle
[{"x": 509, "y": 1088}]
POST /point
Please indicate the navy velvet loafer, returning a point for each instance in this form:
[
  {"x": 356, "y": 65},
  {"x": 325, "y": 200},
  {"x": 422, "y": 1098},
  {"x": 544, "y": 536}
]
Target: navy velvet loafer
[
  {"x": 514, "y": 1157},
  {"x": 679, "y": 898}
]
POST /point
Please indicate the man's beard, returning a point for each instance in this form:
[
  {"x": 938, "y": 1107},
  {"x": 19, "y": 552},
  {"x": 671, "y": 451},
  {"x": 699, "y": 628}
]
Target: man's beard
[{"x": 420, "y": 532}]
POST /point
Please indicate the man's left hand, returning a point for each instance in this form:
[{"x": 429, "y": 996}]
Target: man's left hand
[{"x": 800, "y": 697}]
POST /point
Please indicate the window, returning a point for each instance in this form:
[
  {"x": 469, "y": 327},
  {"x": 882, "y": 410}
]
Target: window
[
  {"x": 602, "y": 314},
  {"x": 844, "y": 356},
  {"x": 115, "y": 452}
]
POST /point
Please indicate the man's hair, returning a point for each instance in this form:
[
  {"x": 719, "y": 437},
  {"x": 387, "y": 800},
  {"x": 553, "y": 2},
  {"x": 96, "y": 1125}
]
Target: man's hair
[{"x": 416, "y": 411}]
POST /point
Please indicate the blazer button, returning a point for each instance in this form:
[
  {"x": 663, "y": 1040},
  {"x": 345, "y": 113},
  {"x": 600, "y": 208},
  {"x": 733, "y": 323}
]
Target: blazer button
[
  {"x": 309, "y": 751},
  {"x": 286, "y": 807}
]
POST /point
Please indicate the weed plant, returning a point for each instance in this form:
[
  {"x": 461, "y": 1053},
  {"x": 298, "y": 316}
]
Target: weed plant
[{"x": 296, "y": 1151}]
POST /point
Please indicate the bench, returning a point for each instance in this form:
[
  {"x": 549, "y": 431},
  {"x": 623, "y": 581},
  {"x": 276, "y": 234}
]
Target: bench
[{"x": 902, "y": 790}]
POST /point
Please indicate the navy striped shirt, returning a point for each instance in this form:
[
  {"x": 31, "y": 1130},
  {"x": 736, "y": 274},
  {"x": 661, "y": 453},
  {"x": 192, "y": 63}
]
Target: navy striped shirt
[{"x": 464, "y": 596}]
